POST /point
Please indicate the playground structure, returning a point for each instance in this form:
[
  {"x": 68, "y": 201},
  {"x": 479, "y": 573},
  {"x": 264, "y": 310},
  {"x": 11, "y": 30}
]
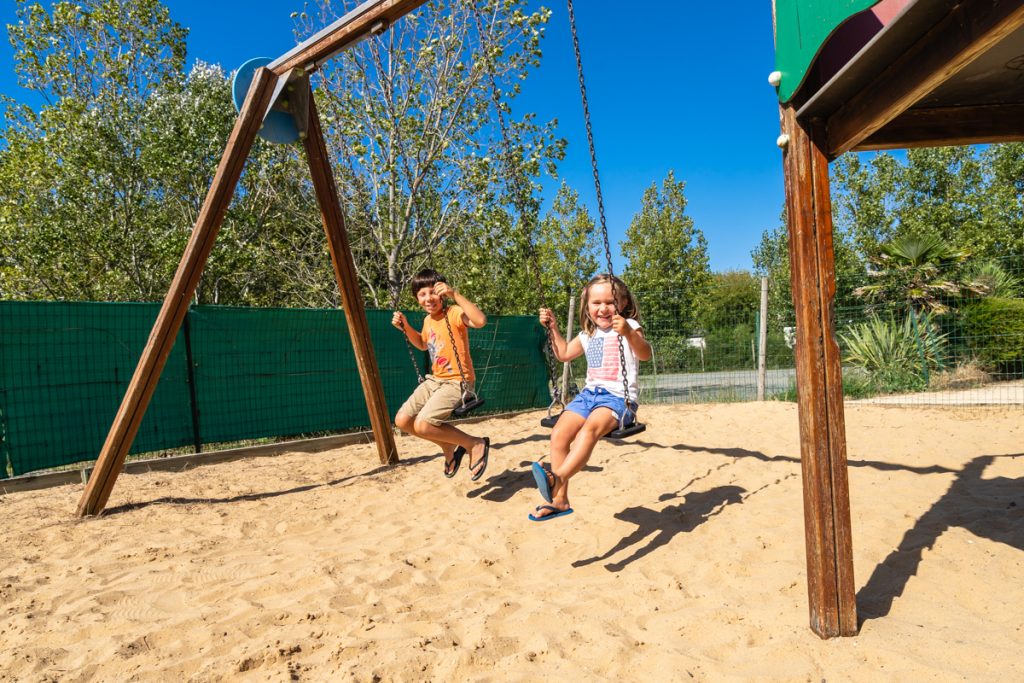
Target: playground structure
[{"x": 852, "y": 75}]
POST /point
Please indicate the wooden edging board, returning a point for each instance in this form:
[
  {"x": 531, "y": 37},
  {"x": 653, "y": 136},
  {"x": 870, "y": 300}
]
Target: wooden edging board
[{"x": 178, "y": 463}]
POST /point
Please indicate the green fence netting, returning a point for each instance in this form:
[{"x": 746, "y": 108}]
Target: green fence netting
[{"x": 64, "y": 368}]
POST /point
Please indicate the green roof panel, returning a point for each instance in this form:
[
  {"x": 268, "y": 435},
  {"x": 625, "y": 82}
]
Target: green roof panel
[{"x": 801, "y": 28}]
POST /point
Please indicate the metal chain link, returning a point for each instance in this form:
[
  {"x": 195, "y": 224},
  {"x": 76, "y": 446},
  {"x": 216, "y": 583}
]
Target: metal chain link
[
  {"x": 396, "y": 295},
  {"x": 519, "y": 200},
  {"x": 463, "y": 384},
  {"x": 597, "y": 188}
]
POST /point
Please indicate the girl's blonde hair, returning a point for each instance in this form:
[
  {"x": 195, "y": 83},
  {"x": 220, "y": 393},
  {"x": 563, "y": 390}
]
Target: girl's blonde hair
[{"x": 625, "y": 303}]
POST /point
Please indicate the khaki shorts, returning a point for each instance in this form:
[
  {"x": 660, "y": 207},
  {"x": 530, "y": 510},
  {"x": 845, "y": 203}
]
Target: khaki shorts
[{"x": 434, "y": 400}]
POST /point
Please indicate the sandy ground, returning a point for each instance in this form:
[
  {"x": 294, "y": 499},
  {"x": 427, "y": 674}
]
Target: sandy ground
[{"x": 683, "y": 561}]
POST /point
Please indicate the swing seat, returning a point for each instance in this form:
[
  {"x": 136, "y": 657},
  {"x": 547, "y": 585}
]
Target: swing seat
[
  {"x": 468, "y": 406},
  {"x": 549, "y": 421},
  {"x": 626, "y": 432}
]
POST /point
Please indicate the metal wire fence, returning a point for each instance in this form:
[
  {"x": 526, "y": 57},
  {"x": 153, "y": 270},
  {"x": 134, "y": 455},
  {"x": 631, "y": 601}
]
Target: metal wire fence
[{"x": 965, "y": 350}]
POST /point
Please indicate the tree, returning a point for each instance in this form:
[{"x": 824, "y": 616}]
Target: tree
[
  {"x": 409, "y": 116},
  {"x": 80, "y": 218},
  {"x": 771, "y": 260},
  {"x": 667, "y": 260},
  {"x": 917, "y": 273},
  {"x": 735, "y": 298},
  {"x": 102, "y": 187}
]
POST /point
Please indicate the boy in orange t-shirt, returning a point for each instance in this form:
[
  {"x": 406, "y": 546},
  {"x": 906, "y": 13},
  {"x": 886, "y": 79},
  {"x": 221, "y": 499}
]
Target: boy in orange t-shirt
[{"x": 425, "y": 412}]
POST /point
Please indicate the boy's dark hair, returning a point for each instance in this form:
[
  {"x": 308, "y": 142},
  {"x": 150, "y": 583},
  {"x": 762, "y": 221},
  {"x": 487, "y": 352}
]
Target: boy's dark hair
[{"x": 428, "y": 277}]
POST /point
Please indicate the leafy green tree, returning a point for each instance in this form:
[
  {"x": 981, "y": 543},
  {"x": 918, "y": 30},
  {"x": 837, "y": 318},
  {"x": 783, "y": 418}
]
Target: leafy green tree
[
  {"x": 567, "y": 249},
  {"x": 771, "y": 259},
  {"x": 735, "y": 298},
  {"x": 410, "y": 115},
  {"x": 667, "y": 260},
  {"x": 1003, "y": 210},
  {"x": 81, "y": 218},
  {"x": 917, "y": 273}
]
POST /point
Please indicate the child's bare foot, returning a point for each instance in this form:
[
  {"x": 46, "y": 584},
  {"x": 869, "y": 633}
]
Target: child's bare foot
[
  {"x": 452, "y": 461},
  {"x": 478, "y": 457}
]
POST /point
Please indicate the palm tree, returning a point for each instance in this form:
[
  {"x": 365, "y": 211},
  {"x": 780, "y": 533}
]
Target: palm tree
[{"x": 917, "y": 272}]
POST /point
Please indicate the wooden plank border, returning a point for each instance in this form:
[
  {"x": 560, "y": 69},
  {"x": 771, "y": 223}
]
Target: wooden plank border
[
  {"x": 966, "y": 32},
  {"x": 178, "y": 463}
]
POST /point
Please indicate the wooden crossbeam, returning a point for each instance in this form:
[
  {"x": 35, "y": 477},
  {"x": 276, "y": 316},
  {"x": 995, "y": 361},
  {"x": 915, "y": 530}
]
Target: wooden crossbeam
[
  {"x": 966, "y": 32},
  {"x": 186, "y": 279},
  {"x": 829, "y": 546},
  {"x": 950, "y": 126},
  {"x": 348, "y": 284},
  {"x": 369, "y": 18}
]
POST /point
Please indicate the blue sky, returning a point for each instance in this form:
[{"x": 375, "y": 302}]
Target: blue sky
[{"x": 672, "y": 86}]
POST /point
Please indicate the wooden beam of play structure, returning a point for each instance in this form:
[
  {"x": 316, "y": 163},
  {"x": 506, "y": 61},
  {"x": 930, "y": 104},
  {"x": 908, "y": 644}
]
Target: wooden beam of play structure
[
  {"x": 186, "y": 279},
  {"x": 973, "y": 27},
  {"x": 370, "y": 18},
  {"x": 829, "y": 546},
  {"x": 290, "y": 71},
  {"x": 940, "y": 126},
  {"x": 348, "y": 284}
]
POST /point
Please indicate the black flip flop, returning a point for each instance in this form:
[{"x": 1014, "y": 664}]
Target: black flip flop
[
  {"x": 456, "y": 461},
  {"x": 482, "y": 462}
]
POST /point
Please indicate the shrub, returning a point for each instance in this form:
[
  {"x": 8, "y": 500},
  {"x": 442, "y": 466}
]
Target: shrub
[
  {"x": 994, "y": 331},
  {"x": 890, "y": 351}
]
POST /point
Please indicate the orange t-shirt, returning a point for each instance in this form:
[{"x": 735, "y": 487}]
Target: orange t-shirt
[{"x": 439, "y": 343}]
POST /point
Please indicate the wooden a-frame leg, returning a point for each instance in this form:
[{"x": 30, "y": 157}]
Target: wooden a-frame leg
[
  {"x": 186, "y": 279},
  {"x": 826, "y": 490},
  {"x": 348, "y": 284}
]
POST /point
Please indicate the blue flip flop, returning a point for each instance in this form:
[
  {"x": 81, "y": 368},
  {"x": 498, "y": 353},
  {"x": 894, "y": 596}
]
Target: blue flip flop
[
  {"x": 557, "y": 513},
  {"x": 456, "y": 461},
  {"x": 540, "y": 475}
]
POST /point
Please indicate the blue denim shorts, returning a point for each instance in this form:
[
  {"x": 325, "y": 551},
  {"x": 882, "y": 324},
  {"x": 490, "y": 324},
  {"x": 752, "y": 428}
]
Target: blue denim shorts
[{"x": 588, "y": 400}]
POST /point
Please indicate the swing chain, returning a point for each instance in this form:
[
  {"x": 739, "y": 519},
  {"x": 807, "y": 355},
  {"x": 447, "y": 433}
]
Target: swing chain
[
  {"x": 396, "y": 295},
  {"x": 600, "y": 198},
  {"x": 519, "y": 200},
  {"x": 463, "y": 384}
]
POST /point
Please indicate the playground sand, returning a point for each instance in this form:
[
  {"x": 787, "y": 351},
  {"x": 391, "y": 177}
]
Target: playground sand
[{"x": 684, "y": 561}]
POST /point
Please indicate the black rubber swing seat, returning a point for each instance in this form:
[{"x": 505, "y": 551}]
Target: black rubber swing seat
[
  {"x": 623, "y": 433},
  {"x": 468, "y": 407},
  {"x": 626, "y": 432}
]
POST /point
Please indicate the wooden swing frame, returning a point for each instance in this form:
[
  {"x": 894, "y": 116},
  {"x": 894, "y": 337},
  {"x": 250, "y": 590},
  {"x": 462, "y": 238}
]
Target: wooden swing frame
[{"x": 269, "y": 84}]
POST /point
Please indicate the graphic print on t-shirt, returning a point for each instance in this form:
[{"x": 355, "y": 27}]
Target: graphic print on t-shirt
[
  {"x": 435, "y": 346},
  {"x": 603, "y": 358}
]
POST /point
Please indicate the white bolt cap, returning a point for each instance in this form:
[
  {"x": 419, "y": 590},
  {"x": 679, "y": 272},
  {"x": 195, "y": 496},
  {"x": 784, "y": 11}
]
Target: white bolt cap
[
  {"x": 782, "y": 141},
  {"x": 774, "y": 78}
]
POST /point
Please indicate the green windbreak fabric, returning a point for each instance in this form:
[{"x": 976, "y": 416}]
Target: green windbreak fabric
[
  {"x": 64, "y": 368},
  {"x": 284, "y": 372}
]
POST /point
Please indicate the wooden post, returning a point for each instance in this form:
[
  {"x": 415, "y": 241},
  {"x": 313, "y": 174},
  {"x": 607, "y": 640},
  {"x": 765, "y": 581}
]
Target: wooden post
[
  {"x": 830, "y": 587},
  {"x": 762, "y": 342},
  {"x": 186, "y": 279},
  {"x": 348, "y": 284},
  {"x": 568, "y": 335}
]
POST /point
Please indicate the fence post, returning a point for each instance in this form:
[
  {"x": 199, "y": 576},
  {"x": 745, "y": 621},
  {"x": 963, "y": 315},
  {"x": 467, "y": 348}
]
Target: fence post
[
  {"x": 194, "y": 404},
  {"x": 762, "y": 341}
]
